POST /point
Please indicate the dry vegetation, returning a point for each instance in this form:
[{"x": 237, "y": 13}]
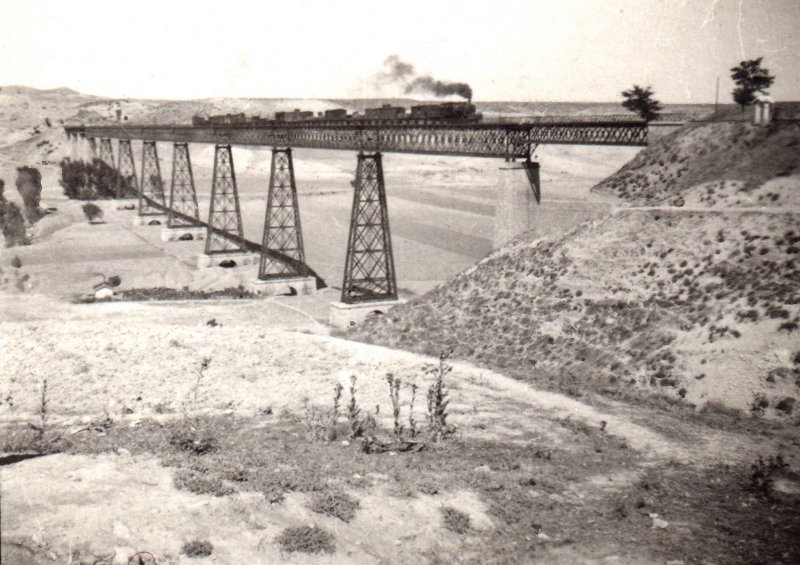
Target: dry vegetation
[
  {"x": 697, "y": 307},
  {"x": 717, "y": 153}
]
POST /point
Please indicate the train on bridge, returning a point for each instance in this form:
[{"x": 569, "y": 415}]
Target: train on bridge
[{"x": 423, "y": 114}]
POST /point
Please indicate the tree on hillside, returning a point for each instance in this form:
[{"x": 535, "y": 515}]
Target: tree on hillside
[
  {"x": 641, "y": 101},
  {"x": 750, "y": 77}
]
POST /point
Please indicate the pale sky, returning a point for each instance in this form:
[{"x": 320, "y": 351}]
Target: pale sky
[{"x": 549, "y": 50}]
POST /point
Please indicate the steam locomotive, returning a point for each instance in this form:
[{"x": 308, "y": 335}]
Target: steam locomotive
[{"x": 449, "y": 112}]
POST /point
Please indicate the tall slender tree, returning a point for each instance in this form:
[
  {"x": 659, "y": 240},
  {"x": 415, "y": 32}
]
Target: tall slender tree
[
  {"x": 750, "y": 77},
  {"x": 641, "y": 101}
]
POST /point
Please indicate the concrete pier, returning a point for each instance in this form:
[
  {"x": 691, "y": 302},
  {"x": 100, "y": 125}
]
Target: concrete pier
[{"x": 517, "y": 212}]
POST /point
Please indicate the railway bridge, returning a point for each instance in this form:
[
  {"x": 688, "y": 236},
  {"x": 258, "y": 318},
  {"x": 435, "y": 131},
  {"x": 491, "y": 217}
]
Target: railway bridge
[{"x": 369, "y": 273}]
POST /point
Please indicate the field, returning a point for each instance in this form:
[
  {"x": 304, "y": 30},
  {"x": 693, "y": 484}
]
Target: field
[{"x": 616, "y": 394}]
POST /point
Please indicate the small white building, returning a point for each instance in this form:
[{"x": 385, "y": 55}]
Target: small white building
[
  {"x": 103, "y": 291},
  {"x": 763, "y": 109}
]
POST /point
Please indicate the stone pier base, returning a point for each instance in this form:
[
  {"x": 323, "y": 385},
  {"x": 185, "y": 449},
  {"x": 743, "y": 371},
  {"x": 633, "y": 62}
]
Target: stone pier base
[
  {"x": 183, "y": 233},
  {"x": 348, "y": 315},
  {"x": 518, "y": 212},
  {"x": 240, "y": 258},
  {"x": 150, "y": 220},
  {"x": 272, "y": 287}
]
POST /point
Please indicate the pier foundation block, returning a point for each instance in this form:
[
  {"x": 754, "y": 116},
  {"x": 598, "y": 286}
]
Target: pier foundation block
[
  {"x": 272, "y": 287},
  {"x": 182, "y": 233},
  {"x": 344, "y": 315},
  {"x": 150, "y": 220},
  {"x": 239, "y": 259}
]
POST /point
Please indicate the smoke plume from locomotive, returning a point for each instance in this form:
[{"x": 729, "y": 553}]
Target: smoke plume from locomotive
[{"x": 398, "y": 72}]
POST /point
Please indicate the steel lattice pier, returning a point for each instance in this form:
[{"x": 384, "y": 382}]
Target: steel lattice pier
[
  {"x": 182, "y": 194},
  {"x": 224, "y": 213},
  {"x": 369, "y": 266},
  {"x": 127, "y": 185},
  {"x": 152, "y": 187},
  {"x": 282, "y": 229}
]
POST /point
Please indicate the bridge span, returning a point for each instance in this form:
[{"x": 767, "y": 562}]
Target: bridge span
[{"x": 369, "y": 273}]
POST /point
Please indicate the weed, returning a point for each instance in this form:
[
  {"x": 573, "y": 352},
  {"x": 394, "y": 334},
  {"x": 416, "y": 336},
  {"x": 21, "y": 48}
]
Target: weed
[
  {"x": 761, "y": 479},
  {"x": 200, "y": 374},
  {"x": 306, "y": 539},
  {"x": 354, "y": 412},
  {"x": 455, "y": 520},
  {"x": 44, "y": 411},
  {"x": 337, "y": 397},
  {"x": 336, "y": 504},
  {"x": 438, "y": 428},
  {"x": 394, "y": 395},
  {"x": 412, "y": 423},
  {"x": 197, "y": 548},
  {"x": 322, "y": 424}
]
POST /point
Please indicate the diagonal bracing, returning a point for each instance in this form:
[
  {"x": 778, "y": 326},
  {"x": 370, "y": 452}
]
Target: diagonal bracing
[
  {"x": 282, "y": 230},
  {"x": 106, "y": 152},
  {"x": 224, "y": 213},
  {"x": 182, "y": 194},
  {"x": 369, "y": 267},
  {"x": 152, "y": 187},
  {"x": 127, "y": 185}
]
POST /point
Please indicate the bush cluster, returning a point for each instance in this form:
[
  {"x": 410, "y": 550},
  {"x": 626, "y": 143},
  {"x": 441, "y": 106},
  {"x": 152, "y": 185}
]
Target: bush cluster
[{"x": 93, "y": 180}]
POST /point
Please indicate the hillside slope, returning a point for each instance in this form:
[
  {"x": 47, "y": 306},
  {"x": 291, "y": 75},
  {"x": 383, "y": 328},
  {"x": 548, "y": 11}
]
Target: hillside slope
[
  {"x": 710, "y": 164},
  {"x": 699, "y": 305}
]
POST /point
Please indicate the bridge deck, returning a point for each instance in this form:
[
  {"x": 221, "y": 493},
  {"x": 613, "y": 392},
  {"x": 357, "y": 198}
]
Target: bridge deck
[{"x": 482, "y": 139}]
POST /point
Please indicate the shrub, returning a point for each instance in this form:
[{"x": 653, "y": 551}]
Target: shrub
[
  {"x": 761, "y": 479},
  {"x": 786, "y": 405},
  {"x": 89, "y": 181},
  {"x": 199, "y": 483},
  {"x": 197, "y": 548},
  {"x": 336, "y": 504},
  {"x": 12, "y": 221},
  {"x": 306, "y": 539},
  {"x": 455, "y": 520},
  {"x": 93, "y": 212},
  {"x": 186, "y": 438},
  {"x": 29, "y": 185}
]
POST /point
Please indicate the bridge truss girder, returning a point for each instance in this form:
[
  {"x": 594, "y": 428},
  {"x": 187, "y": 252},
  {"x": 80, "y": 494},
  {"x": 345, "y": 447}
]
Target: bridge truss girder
[{"x": 507, "y": 141}]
